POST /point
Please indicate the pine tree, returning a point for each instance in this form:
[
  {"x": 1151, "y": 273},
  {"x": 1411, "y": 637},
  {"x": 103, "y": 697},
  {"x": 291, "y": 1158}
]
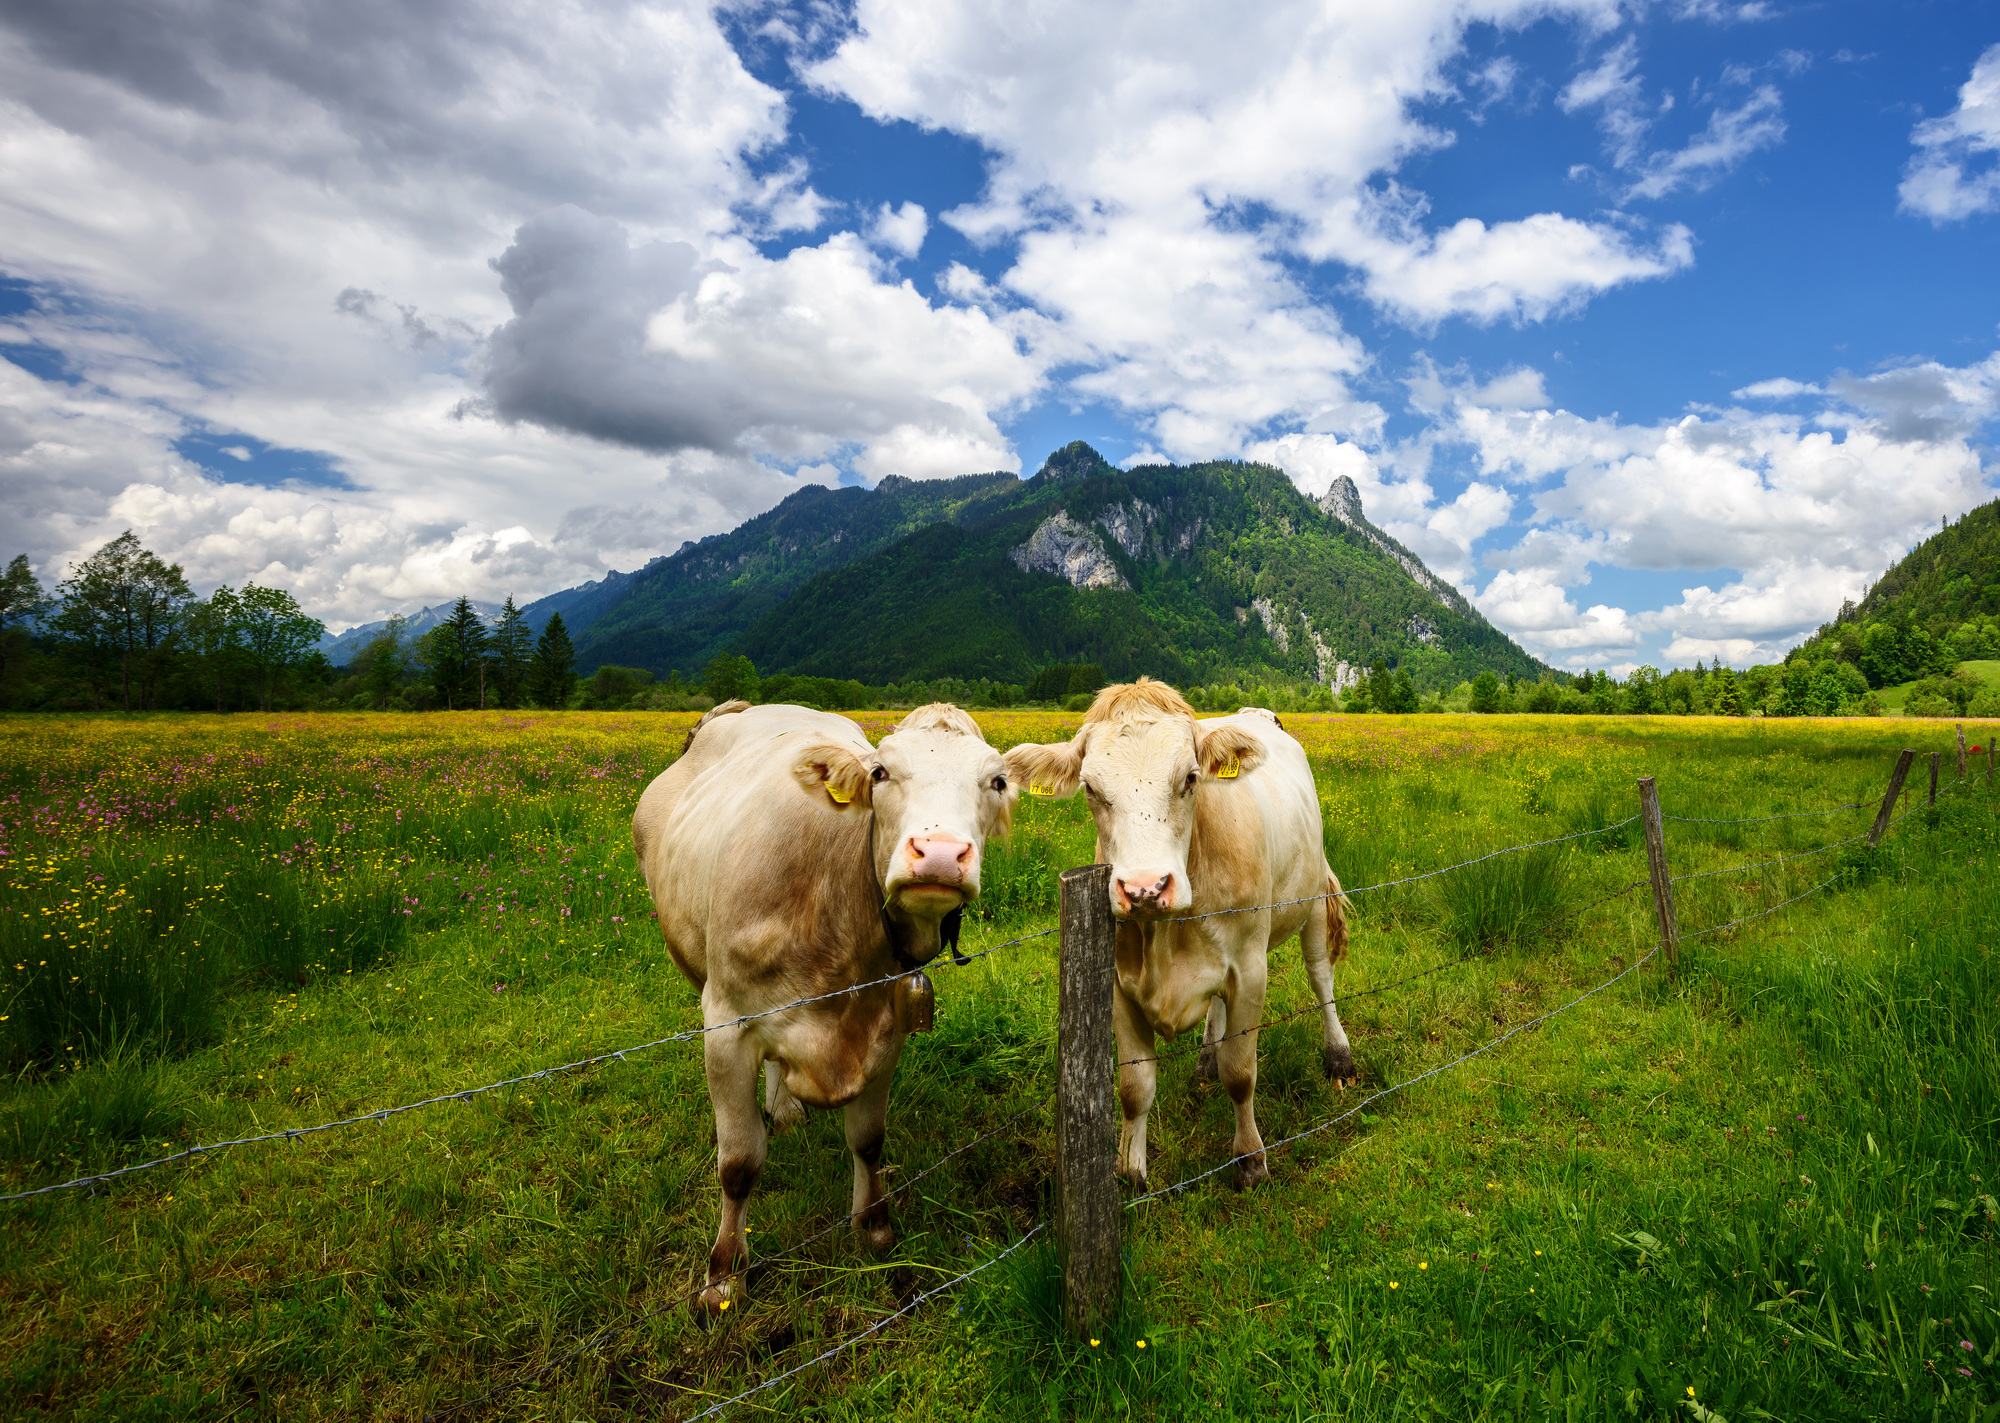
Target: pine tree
[
  {"x": 553, "y": 679},
  {"x": 457, "y": 656},
  {"x": 513, "y": 651}
]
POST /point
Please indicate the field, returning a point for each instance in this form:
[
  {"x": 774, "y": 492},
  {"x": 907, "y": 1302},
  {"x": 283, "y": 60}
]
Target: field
[
  {"x": 1987, "y": 672},
  {"x": 1762, "y": 1186}
]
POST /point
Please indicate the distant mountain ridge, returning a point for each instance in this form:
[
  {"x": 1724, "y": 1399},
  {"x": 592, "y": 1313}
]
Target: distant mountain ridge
[
  {"x": 1194, "y": 573},
  {"x": 580, "y": 606}
]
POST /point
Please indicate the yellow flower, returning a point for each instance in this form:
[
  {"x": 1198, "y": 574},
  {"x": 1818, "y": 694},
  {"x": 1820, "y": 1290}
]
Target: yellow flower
[
  {"x": 1423, "y": 1264},
  {"x": 1093, "y": 1343},
  {"x": 1142, "y": 1343},
  {"x": 1690, "y": 1390},
  {"x": 1393, "y": 1285}
]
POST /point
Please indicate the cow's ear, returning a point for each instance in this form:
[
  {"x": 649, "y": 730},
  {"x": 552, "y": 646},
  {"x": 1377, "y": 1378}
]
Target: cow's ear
[
  {"x": 1227, "y": 752},
  {"x": 1051, "y": 770},
  {"x": 833, "y": 775}
]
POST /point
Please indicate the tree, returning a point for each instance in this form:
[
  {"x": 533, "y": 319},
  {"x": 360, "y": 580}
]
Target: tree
[
  {"x": 123, "y": 605},
  {"x": 382, "y": 663},
  {"x": 728, "y": 678},
  {"x": 1727, "y": 699},
  {"x": 553, "y": 678},
  {"x": 1399, "y": 694},
  {"x": 213, "y": 637},
  {"x": 1486, "y": 693},
  {"x": 277, "y": 636},
  {"x": 455, "y": 653},
  {"x": 1642, "y": 691},
  {"x": 512, "y": 653},
  {"x": 21, "y": 602}
]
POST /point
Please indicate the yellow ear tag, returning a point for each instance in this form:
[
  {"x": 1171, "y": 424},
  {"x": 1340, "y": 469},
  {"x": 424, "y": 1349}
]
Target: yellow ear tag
[
  {"x": 1041, "y": 788},
  {"x": 839, "y": 796},
  {"x": 1230, "y": 772}
]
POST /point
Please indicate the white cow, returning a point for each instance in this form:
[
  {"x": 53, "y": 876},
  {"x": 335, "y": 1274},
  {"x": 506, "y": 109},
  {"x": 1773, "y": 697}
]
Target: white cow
[
  {"x": 1196, "y": 817},
  {"x": 788, "y": 858}
]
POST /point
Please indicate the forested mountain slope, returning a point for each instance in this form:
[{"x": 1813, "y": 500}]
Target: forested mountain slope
[
  {"x": 1936, "y": 606},
  {"x": 1195, "y": 573}
]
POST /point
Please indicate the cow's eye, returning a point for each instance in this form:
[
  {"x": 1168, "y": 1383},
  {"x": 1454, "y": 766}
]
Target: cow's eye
[
  {"x": 880, "y": 773},
  {"x": 1000, "y": 784},
  {"x": 1191, "y": 780}
]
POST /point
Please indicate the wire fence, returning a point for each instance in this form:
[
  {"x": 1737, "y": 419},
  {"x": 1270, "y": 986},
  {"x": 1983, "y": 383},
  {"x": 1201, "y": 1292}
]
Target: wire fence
[
  {"x": 1765, "y": 819},
  {"x": 381, "y": 1115},
  {"x": 610, "y": 1332},
  {"x": 602, "y": 1336}
]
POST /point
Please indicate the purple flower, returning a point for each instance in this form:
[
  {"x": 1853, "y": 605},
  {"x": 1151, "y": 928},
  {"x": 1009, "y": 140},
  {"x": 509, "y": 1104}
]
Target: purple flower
[{"x": 1965, "y": 1344}]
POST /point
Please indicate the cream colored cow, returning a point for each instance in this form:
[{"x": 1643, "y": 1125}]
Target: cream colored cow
[
  {"x": 1196, "y": 817},
  {"x": 788, "y": 858}
]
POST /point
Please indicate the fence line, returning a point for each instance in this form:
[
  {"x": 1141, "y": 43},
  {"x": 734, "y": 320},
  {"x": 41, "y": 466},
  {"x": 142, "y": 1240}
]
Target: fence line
[
  {"x": 1374, "y": 1097},
  {"x": 1718, "y": 928},
  {"x": 1339, "y": 998},
  {"x": 874, "y": 1328},
  {"x": 1762, "y": 819},
  {"x": 381, "y": 1115},
  {"x": 610, "y": 1332},
  {"x": 1749, "y": 865},
  {"x": 1412, "y": 879}
]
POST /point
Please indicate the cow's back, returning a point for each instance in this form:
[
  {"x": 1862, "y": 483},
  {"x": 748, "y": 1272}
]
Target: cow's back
[
  {"x": 740, "y": 858},
  {"x": 1259, "y": 834}
]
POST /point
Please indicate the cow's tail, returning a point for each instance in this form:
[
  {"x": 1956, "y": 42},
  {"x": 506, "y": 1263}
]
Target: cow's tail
[
  {"x": 735, "y": 705},
  {"x": 1336, "y": 919}
]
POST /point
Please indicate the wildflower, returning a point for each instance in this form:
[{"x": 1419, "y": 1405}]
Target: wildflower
[
  {"x": 1393, "y": 1285},
  {"x": 1423, "y": 1264},
  {"x": 1965, "y": 1344},
  {"x": 1142, "y": 1343},
  {"x": 1690, "y": 1390},
  {"x": 1093, "y": 1343}
]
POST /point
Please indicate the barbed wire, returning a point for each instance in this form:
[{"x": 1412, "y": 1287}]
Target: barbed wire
[
  {"x": 1340, "y": 998},
  {"x": 1773, "y": 909},
  {"x": 1762, "y": 819},
  {"x": 875, "y": 1328},
  {"x": 1374, "y": 1097},
  {"x": 381, "y": 1115},
  {"x": 1753, "y": 865},
  {"x": 1410, "y": 879},
  {"x": 610, "y": 1332}
]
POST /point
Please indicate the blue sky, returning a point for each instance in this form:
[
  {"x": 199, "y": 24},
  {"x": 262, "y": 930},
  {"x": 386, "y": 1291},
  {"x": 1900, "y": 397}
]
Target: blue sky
[{"x": 1660, "y": 329}]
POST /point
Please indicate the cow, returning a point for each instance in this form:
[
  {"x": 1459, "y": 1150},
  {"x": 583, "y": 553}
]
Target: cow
[
  {"x": 788, "y": 859},
  {"x": 1196, "y": 817}
]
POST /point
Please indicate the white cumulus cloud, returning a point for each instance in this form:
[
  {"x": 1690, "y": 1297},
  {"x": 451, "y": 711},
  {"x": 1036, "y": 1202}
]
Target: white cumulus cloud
[{"x": 1954, "y": 173}]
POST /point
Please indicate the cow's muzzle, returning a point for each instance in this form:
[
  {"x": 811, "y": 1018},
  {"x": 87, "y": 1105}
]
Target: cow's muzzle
[{"x": 1143, "y": 893}]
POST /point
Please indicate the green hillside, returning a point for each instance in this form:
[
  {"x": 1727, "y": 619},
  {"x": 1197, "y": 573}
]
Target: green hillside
[
  {"x": 1194, "y": 574},
  {"x": 683, "y": 610},
  {"x": 1939, "y": 605}
]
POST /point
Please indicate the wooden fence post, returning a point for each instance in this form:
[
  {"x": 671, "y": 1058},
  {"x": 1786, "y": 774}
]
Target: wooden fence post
[
  {"x": 1656, "y": 863},
  {"x": 1936, "y": 757},
  {"x": 1961, "y": 751},
  {"x": 1896, "y": 776},
  {"x": 1087, "y": 1205}
]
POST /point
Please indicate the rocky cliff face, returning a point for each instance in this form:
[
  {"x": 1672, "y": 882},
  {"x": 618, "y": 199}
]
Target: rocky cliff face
[
  {"x": 1342, "y": 501},
  {"x": 1062, "y": 546}
]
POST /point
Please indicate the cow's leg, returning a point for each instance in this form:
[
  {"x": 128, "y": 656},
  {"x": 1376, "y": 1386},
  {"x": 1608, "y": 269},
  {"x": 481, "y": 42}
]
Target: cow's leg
[
  {"x": 1339, "y": 1055},
  {"x": 1218, "y": 1016},
  {"x": 1236, "y": 1061},
  {"x": 785, "y": 1109},
  {"x": 867, "y": 1125},
  {"x": 732, "y": 1062},
  {"x": 1138, "y": 1080}
]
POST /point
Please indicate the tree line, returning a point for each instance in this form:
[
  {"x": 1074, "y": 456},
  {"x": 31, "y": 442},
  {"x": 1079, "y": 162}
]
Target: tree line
[{"x": 124, "y": 631}]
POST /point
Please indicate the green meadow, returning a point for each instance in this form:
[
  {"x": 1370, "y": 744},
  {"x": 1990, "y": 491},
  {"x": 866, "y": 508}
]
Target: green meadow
[{"x": 1757, "y": 1183}]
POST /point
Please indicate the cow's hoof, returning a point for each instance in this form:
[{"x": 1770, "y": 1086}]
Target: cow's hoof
[
  {"x": 1339, "y": 1063},
  {"x": 1204, "y": 1063},
  {"x": 1250, "y": 1170},
  {"x": 715, "y": 1303}
]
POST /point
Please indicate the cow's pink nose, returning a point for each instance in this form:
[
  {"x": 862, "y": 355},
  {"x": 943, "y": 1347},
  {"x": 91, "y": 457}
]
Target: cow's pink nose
[
  {"x": 940, "y": 860},
  {"x": 1142, "y": 891}
]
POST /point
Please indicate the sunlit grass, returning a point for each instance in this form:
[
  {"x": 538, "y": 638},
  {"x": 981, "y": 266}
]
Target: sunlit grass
[{"x": 1768, "y": 1179}]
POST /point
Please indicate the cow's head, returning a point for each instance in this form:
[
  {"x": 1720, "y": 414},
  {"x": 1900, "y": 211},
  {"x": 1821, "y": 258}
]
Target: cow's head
[
  {"x": 937, "y": 791},
  {"x": 1139, "y": 757}
]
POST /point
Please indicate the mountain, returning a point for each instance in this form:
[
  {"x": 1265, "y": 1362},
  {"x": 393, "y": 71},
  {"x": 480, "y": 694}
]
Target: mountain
[
  {"x": 680, "y": 611},
  {"x": 1937, "y": 605},
  {"x": 1193, "y": 574},
  {"x": 342, "y": 648},
  {"x": 580, "y": 607}
]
